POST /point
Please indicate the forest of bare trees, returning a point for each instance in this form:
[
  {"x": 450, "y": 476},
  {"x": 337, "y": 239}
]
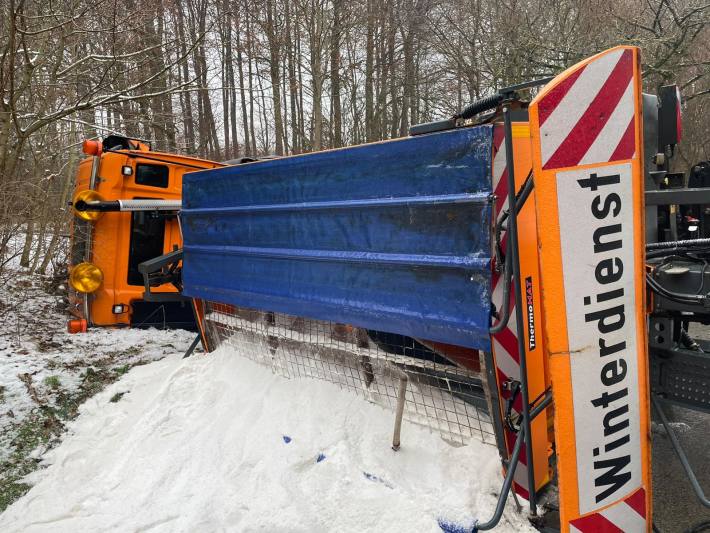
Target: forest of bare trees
[{"x": 226, "y": 78}]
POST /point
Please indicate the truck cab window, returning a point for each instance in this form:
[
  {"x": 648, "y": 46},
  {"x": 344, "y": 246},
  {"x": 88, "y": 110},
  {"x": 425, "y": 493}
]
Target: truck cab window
[
  {"x": 147, "y": 238},
  {"x": 152, "y": 175}
]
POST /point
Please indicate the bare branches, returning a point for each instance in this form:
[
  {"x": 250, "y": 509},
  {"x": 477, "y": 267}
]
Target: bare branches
[
  {"x": 112, "y": 58},
  {"x": 227, "y": 78}
]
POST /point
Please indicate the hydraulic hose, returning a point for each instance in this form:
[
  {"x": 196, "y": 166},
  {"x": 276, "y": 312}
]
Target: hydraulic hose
[
  {"x": 697, "y": 299},
  {"x": 675, "y": 251},
  {"x": 520, "y": 199},
  {"x": 480, "y": 105},
  {"x": 493, "y": 101},
  {"x": 505, "y": 316},
  {"x": 672, "y": 245}
]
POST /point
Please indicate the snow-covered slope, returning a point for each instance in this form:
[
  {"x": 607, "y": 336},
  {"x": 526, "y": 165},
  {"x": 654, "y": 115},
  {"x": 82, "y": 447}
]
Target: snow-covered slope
[
  {"x": 35, "y": 346},
  {"x": 219, "y": 443}
]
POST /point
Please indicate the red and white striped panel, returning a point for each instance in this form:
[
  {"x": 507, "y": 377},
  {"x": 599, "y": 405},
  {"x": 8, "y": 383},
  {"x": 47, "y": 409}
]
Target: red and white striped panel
[
  {"x": 589, "y": 117},
  {"x": 626, "y": 516},
  {"x": 505, "y": 343}
]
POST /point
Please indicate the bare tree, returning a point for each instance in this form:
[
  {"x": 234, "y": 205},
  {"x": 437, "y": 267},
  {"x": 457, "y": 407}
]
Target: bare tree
[{"x": 239, "y": 77}]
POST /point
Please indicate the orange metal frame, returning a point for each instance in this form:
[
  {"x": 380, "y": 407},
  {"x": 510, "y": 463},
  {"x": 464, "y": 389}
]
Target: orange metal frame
[
  {"x": 570, "y": 397},
  {"x": 535, "y": 348}
]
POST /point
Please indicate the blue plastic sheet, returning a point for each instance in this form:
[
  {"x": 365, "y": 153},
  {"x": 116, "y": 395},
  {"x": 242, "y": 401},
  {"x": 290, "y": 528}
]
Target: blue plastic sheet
[{"x": 393, "y": 236}]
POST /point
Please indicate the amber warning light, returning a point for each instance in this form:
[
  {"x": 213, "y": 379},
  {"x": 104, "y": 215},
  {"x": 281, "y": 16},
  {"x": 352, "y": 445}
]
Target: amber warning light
[{"x": 90, "y": 147}]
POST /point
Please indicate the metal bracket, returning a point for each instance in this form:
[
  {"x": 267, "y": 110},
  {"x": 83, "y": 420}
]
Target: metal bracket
[
  {"x": 527, "y": 414},
  {"x": 159, "y": 271},
  {"x": 660, "y": 332},
  {"x": 513, "y": 236},
  {"x": 512, "y": 465},
  {"x": 681, "y": 376}
]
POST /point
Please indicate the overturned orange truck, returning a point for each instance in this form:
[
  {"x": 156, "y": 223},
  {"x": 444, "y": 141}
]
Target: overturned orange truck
[
  {"x": 496, "y": 262},
  {"x": 106, "y": 288}
]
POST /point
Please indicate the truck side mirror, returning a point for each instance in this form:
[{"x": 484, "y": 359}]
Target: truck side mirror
[{"x": 669, "y": 119}]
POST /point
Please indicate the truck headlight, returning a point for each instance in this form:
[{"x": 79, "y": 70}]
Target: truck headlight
[
  {"x": 86, "y": 277},
  {"x": 87, "y": 196}
]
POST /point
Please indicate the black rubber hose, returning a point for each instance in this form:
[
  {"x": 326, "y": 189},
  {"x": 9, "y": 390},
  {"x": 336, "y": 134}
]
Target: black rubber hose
[
  {"x": 689, "y": 342},
  {"x": 676, "y": 251},
  {"x": 696, "y": 299},
  {"x": 689, "y": 243},
  {"x": 505, "y": 316},
  {"x": 520, "y": 200},
  {"x": 699, "y": 527},
  {"x": 480, "y": 105}
]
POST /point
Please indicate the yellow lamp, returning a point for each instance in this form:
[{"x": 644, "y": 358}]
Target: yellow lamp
[
  {"x": 86, "y": 277},
  {"x": 87, "y": 196}
]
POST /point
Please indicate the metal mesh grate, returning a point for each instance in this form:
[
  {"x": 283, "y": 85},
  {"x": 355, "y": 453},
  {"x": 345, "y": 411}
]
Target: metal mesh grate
[{"x": 443, "y": 396}]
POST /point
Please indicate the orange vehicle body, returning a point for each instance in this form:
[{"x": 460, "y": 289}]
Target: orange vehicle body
[
  {"x": 603, "y": 459},
  {"x": 570, "y": 329},
  {"x": 116, "y": 242},
  {"x": 505, "y": 348}
]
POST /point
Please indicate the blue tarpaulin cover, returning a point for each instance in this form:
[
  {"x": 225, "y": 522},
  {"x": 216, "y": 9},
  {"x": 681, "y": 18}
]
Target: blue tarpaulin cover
[{"x": 393, "y": 236}]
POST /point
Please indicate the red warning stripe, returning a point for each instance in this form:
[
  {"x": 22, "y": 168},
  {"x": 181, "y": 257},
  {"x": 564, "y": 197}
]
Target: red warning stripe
[
  {"x": 501, "y": 191},
  {"x": 627, "y": 145},
  {"x": 627, "y": 516},
  {"x": 555, "y": 96},
  {"x": 509, "y": 341},
  {"x": 585, "y": 118},
  {"x": 637, "y": 501},
  {"x": 521, "y": 491},
  {"x": 595, "y": 523},
  {"x": 571, "y": 151}
]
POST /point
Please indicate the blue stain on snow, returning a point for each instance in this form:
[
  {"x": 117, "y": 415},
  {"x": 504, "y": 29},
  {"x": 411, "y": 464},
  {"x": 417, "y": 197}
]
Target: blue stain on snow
[
  {"x": 450, "y": 527},
  {"x": 320, "y": 458},
  {"x": 287, "y": 439},
  {"x": 377, "y": 479},
  {"x": 371, "y": 477}
]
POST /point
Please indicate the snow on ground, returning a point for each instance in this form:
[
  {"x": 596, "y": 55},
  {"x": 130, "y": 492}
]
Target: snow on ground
[
  {"x": 211, "y": 443},
  {"x": 45, "y": 373},
  {"x": 35, "y": 349},
  {"x": 218, "y": 443}
]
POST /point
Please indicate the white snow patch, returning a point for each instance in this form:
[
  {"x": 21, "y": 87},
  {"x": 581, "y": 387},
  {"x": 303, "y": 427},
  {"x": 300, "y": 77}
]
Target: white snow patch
[
  {"x": 34, "y": 342},
  {"x": 198, "y": 445}
]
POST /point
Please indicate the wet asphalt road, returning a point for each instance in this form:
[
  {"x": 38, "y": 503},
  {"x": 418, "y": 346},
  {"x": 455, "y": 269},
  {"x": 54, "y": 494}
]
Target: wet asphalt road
[{"x": 675, "y": 507}]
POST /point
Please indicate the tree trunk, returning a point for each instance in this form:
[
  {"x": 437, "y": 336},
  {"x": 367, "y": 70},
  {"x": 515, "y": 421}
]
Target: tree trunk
[
  {"x": 301, "y": 120},
  {"x": 225, "y": 37},
  {"x": 369, "y": 70},
  {"x": 242, "y": 91},
  {"x": 407, "y": 93},
  {"x": 335, "y": 77},
  {"x": 316, "y": 80},
  {"x": 232, "y": 91},
  {"x": 185, "y": 98},
  {"x": 291, "y": 36},
  {"x": 59, "y": 222},
  {"x": 250, "y": 54},
  {"x": 274, "y": 65},
  {"x": 27, "y": 248},
  {"x": 394, "y": 113}
]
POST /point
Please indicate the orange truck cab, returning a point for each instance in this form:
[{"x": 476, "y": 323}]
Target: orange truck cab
[{"x": 105, "y": 285}]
